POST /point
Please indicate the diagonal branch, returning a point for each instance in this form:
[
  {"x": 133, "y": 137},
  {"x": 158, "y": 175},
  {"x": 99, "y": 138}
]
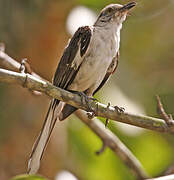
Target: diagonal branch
[
  {"x": 168, "y": 118},
  {"x": 108, "y": 138},
  {"x": 35, "y": 82},
  {"x": 102, "y": 110},
  {"x": 112, "y": 141}
]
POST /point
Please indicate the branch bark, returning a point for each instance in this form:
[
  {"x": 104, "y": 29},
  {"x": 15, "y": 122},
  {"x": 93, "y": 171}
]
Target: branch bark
[
  {"x": 102, "y": 110},
  {"x": 109, "y": 139},
  {"x": 35, "y": 82},
  {"x": 160, "y": 109}
]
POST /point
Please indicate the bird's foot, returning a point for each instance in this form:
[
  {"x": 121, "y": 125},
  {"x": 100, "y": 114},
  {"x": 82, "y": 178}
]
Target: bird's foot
[
  {"x": 91, "y": 115},
  {"x": 87, "y": 100},
  {"x": 120, "y": 110}
]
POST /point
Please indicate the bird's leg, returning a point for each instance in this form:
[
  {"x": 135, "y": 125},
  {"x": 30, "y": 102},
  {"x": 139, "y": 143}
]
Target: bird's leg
[
  {"x": 84, "y": 98},
  {"x": 92, "y": 113},
  {"x": 119, "y": 109}
]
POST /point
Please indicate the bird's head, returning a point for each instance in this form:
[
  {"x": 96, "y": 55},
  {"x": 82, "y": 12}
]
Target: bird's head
[{"x": 114, "y": 14}]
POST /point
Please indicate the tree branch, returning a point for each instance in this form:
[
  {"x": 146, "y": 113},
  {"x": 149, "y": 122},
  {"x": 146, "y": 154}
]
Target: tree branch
[
  {"x": 39, "y": 84},
  {"x": 35, "y": 82},
  {"x": 160, "y": 109},
  {"x": 111, "y": 140},
  {"x": 75, "y": 100},
  {"x": 108, "y": 138}
]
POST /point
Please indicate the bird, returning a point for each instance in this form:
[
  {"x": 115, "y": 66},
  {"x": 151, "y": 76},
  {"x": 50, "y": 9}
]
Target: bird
[{"x": 88, "y": 61}]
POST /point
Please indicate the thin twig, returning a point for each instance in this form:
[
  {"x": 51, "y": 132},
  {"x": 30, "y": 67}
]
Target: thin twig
[
  {"x": 111, "y": 140},
  {"x": 101, "y": 150},
  {"x": 160, "y": 109}
]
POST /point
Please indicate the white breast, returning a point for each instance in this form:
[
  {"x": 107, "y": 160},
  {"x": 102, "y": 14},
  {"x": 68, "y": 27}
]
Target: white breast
[{"x": 103, "y": 47}]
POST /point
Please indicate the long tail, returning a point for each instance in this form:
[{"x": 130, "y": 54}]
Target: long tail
[{"x": 44, "y": 136}]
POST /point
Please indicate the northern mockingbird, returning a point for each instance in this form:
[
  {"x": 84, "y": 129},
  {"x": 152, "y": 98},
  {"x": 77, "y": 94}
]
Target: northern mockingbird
[{"x": 89, "y": 59}]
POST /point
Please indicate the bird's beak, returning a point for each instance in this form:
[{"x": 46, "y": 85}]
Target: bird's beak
[{"x": 127, "y": 7}]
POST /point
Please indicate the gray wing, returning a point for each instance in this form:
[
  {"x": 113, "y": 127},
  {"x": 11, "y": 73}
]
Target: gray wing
[
  {"x": 70, "y": 63},
  {"x": 67, "y": 69},
  {"x": 112, "y": 68}
]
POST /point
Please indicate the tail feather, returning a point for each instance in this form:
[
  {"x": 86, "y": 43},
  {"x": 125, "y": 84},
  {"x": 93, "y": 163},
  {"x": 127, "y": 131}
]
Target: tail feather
[
  {"x": 67, "y": 110},
  {"x": 44, "y": 136}
]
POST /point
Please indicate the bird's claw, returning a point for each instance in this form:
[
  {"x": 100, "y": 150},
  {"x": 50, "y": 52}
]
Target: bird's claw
[
  {"x": 120, "y": 110},
  {"x": 87, "y": 100},
  {"x": 91, "y": 115}
]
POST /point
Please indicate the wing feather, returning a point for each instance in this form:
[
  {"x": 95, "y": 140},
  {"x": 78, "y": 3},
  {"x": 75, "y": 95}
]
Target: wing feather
[{"x": 72, "y": 57}]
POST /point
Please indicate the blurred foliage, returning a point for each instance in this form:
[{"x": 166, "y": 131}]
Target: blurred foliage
[
  {"x": 18, "y": 16},
  {"x": 36, "y": 30},
  {"x": 150, "y": 148}
]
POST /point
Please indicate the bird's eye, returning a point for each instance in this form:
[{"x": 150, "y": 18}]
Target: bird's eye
[{"x": 109, "y": 10}]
